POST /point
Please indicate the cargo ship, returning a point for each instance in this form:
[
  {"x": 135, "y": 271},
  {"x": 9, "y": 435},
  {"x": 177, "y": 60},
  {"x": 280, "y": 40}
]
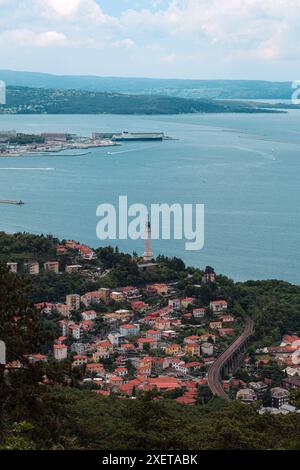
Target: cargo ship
[{"x": 138, "y": 136}]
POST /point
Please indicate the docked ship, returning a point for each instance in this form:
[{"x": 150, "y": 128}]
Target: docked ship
[{"x": 138, "y": 136}]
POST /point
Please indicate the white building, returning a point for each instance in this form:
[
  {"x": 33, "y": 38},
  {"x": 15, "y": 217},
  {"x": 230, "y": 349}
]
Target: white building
[
  {"x": 32, "y": 268},
  {"x": 60, "y": 352},
  {"x": 75, "y": 331},
  {"x": 218, "y": 306},
  {"x": 246, "y": 395},
  {"x": 13, "y": 267},
  {"x": 89, "y": 315},
  {"x": 129, "y": 330},
  {"x": 207, "y": 349}
]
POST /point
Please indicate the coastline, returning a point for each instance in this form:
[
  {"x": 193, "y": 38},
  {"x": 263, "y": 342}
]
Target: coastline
[{"x": 52, "y": 148}]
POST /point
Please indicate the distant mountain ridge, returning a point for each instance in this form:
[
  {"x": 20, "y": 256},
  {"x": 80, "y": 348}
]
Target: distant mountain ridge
[{"x": 181, "y": 88}]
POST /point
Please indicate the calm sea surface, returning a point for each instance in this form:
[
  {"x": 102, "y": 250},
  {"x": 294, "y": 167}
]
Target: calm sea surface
[{"x": 244, "y": 168}]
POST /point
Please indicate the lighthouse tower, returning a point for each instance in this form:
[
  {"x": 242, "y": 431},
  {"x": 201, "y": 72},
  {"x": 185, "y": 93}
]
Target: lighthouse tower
[{"x": 148, "y": 255}]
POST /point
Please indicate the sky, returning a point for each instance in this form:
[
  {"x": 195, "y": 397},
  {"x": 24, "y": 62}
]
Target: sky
[{"x": 199, "y": 39}]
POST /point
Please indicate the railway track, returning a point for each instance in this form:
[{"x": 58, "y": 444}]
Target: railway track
[{"x": 215, "y": 371}]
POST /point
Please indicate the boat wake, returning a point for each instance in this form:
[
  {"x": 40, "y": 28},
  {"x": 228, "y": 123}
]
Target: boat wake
[
  {"x": 26, "y": 169},
  {"x": 141, "y": 149}
]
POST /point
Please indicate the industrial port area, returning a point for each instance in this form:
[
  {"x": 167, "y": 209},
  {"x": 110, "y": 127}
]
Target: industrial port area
[{"x": 13, "y": 144}]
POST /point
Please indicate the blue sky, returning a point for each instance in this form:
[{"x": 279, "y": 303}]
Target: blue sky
[{"x": 205, "y": 39}]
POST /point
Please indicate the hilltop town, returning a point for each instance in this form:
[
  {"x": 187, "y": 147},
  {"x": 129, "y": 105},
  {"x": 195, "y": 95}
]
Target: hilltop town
[{"x": 126, "y": 340}]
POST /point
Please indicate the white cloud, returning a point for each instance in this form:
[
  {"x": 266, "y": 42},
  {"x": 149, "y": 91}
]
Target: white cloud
[
  {"x": 214, "y": 36},
  {"x": 126, "y": 43},
  {"x": 26, "y": 37},
  {"x": 65, "y": 8},
  {"x": 75, "y": 10},
  {"x": 232, "y": 23},
  {"x": 168, "y": 59}
]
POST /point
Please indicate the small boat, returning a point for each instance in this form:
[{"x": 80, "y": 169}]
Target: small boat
[{"x": 20, "y": 203}]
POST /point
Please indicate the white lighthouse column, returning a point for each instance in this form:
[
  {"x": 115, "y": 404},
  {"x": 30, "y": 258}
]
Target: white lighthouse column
[{"x": 148, "y": 255}]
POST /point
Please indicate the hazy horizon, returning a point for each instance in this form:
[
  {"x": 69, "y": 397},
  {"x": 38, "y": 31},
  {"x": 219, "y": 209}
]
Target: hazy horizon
[{"x": 142, "y": 77}]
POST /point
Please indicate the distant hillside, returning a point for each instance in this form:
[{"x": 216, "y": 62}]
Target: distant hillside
[
  {"x": 23, "y": 100},
  {"x": 211, "y": 89}
]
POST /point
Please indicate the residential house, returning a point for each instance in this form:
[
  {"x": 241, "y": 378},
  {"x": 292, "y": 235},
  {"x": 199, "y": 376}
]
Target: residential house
[
  {"x": 79, "y": 361},
  {"x": 160, "y": 289},
  {"x": 162, "y": 324},
  {"x": 87, "y": 325},
  {"x": 192, "y": 349},
  {"x": 139, "y": 306},
  {"x": 89, "y": 315},
  {"x": 226, "y": 332},
  {"x": 75, "y": 331},
  {"x": 159, "y": 364},
  {"x": 218, "y": 306},
  {"x": 115, "y": 338},
  {"x": 64, "y": 327},
  {"x": 63, "y": 310},
  {"x": 154, "y": 334},
  {"x": 199, "y": 313},
  {"x": 215, "y": 325},
  {"x": 117, "y": 296},
  {"x": 86, "y": 253},
  {"x": 60, "y": 352},
  {"x": 52, "y": 266},
  {"x": 173, "y": 349},
  {"x": 164, "y": 383},
  {"x": 130, "y": 292},
  {"x": 104, "y": 350},
  {"x": 45, "y": 307},
  {"x": 207, "y": 349},
  {"x": 73, "y": 302},
  {"x": 206, "y": 337},
  {"x": 125, "y": 348},
  {"x": 95, "y": 368},
  {"x": 187, "y": 302},
  {"x": 90, "y": 298},
  {"x": 260, "y": 388},
  {"x": 121, "y": 371},
  {"x": 191, "y": 339},
  {"x": 36, "y": 358},
  {"x": 227, "y": 318},
  {"x": 104, "y": 294},
  {"x": 61, "y": 250},
  {"x": 175, "y": 304},
  {"x": 291, "y": 383},
  {"x": 246, "y": 395},
  {"x": 13, "y": 267},
  {"x": 73, "y": 268},
  {"x": 32, "y": 268},
  {"x": 129, "y": 329},
  {"x": 150, "y": 342},
  {"x": 279, "y": 397},
  {"x": 78, "y": 348},
  {"x": 291, "y": 340}
]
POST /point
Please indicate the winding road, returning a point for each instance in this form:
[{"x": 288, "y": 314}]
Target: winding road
[{"x": 214, "y": 373}]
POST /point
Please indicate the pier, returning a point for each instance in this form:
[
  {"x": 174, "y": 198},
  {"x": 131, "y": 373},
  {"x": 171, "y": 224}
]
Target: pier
[{"x": 15, "y": 203}]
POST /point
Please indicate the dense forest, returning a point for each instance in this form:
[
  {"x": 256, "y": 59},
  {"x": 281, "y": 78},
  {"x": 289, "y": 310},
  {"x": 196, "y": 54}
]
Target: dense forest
[{"x": 64, "y": 418}]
